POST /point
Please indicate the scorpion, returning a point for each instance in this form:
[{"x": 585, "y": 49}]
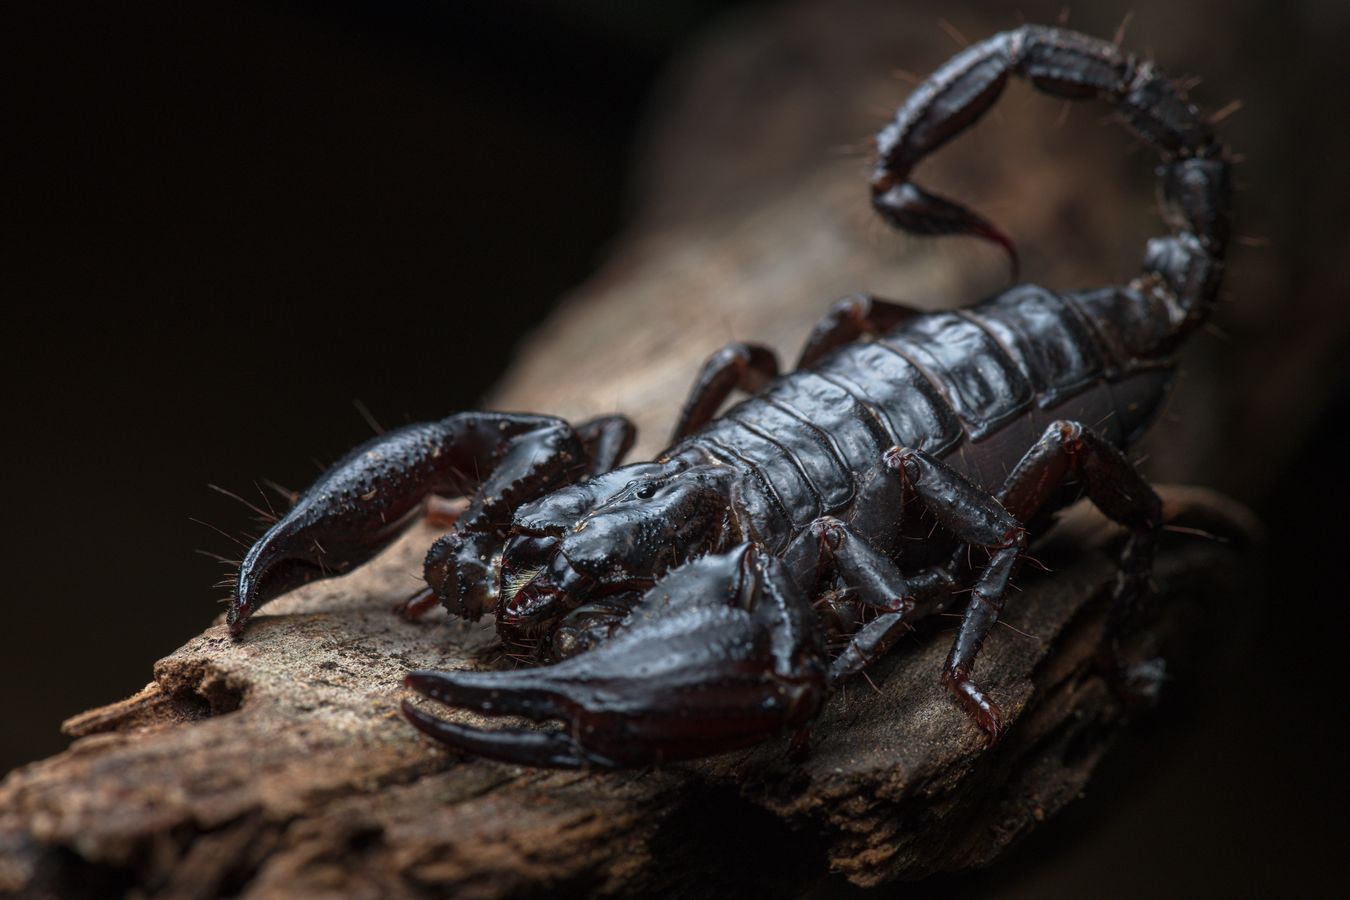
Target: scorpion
[{"x": 717, "y": 596}]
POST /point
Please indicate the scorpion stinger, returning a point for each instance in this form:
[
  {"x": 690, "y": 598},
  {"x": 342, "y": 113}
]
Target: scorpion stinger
[{"x": 719, "y": 654}]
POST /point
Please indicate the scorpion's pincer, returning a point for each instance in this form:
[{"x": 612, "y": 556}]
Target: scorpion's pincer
[
  {"x": 282, "y": 560},
  {"x": 715, "y": 656}
]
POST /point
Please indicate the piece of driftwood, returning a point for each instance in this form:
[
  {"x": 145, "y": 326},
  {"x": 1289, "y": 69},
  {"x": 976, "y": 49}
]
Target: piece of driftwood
[{"x": 278, "y": 766}]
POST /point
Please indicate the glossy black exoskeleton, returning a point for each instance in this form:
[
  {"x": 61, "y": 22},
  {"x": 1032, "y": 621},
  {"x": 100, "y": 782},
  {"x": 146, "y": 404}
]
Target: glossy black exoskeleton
[{"x": 675, "y": 601}]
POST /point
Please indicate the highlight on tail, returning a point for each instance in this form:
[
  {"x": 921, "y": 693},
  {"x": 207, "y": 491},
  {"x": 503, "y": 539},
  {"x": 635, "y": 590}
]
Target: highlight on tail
[{"x": 1182, "y": 270}]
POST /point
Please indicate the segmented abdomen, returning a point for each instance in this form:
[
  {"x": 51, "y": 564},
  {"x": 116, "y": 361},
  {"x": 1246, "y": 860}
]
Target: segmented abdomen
[{"x": 976, "y": 386}]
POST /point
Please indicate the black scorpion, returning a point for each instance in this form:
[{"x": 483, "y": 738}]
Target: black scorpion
[{"x": 689, "y": 605}]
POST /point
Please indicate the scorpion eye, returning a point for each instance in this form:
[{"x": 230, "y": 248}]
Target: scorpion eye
[{"x": 646, "y": 492}]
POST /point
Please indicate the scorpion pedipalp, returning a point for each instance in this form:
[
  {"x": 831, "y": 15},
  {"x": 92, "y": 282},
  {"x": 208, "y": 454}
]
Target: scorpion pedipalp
[
  {"x": 370, "y": 496},
  {"x": 719, "y": 654}
]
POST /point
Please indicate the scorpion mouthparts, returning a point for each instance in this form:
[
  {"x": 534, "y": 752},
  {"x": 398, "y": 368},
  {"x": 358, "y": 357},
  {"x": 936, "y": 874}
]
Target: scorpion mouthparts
[
  {"x": 529, "y": 604},
  {"x": 546, "y": 595}
]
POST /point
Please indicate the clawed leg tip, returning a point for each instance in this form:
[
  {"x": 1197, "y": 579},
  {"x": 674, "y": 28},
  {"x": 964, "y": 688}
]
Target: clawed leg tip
[
  {"x": 982, "y": 712},
  {"x": 989, "y": 719},
  {"x": 236, "y": 629}
]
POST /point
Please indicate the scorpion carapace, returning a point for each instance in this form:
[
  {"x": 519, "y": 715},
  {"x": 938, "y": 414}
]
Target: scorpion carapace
[{"x": 714, "y": 597}]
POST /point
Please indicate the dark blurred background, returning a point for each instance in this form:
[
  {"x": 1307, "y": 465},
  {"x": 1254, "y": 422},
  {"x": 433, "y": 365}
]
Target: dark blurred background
[
  {"x": 226, "y": 224},
  {"x": 234, "y": 221}
]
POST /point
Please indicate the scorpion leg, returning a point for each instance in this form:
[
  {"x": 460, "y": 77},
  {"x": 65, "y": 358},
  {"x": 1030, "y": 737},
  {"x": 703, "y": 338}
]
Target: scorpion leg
[
  {"x": 366, "y": 499},
  {"x": 723, "y": 652},
  {"x": 977, "y": 518},
  {"x": 848, "y": 320},
  {"x": 1070, "y": 449},
  {"x": 831, "y": 547},
  {"x": 738, "y": 366},
  {"x": 929, "y": 588},
  {"x": 418, "y": 605}
]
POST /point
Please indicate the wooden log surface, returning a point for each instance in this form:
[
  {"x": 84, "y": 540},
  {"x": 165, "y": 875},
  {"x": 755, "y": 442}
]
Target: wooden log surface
[{"x": 278, "y": 766}]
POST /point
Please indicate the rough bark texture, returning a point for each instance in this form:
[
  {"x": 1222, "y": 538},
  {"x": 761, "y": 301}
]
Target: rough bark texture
[{"x": 278, "y": 766}]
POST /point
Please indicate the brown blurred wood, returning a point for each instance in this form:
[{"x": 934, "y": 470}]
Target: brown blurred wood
[{"x": 279, "y": 766}]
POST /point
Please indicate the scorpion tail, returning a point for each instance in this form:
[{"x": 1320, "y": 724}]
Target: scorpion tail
[
  {"x": 1181, "y": 271},
  {"x": 718, "y": 655}
]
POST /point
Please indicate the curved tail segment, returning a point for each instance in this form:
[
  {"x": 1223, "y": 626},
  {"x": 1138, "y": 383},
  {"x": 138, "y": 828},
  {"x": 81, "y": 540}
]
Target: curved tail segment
[{"x": 1182, "y": 271}]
